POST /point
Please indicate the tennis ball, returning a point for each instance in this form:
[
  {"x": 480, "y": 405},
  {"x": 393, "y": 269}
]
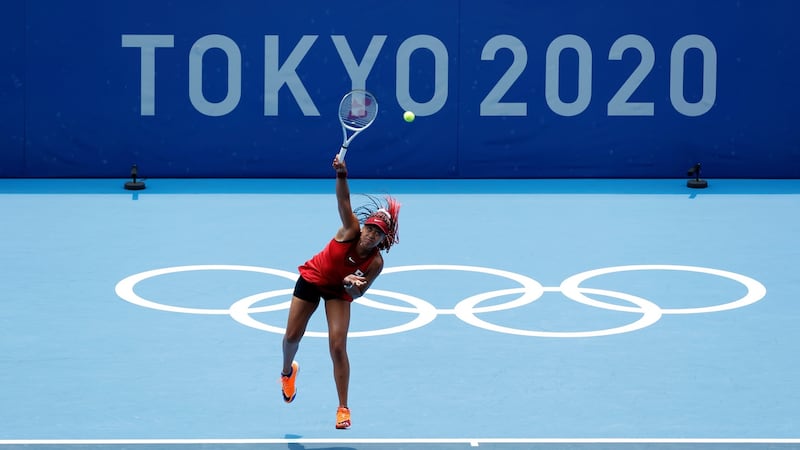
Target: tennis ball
[{"x": 409, "y": 116}]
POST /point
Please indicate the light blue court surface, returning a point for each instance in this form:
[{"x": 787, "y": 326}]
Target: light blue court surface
[{"x": 569, "y": 314}]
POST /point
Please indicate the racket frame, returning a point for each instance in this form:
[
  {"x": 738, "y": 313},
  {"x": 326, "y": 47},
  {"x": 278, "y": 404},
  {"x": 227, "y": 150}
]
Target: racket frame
[{"x": 346, "y": 140}]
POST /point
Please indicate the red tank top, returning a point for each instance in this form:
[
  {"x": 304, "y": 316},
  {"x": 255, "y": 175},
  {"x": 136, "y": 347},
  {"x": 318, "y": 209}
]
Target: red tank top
[{"x": 328, "y": 268}]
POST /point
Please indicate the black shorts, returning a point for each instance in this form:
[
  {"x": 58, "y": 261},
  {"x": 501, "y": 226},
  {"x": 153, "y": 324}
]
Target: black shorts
[{"x": 310, "y": 292}]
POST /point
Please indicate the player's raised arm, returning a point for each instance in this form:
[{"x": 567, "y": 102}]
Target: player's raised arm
[{"x": 350, "y": 225}]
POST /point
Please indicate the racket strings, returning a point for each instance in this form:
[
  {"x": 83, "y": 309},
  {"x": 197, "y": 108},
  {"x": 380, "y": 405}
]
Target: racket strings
[{"x": 358, "y": 110}]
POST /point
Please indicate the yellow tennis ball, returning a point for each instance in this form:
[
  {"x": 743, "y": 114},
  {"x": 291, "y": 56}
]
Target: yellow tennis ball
[{"x": 409, "y": 116}]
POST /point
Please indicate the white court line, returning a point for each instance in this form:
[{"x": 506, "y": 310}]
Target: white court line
[{"x": 469, "y": 441}]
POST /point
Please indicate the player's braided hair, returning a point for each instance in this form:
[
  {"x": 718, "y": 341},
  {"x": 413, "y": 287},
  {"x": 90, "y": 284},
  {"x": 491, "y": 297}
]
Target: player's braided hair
[{"x": 389, "y": 208}]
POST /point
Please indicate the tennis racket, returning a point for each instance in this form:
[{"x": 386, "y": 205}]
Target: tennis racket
[{"x": 357, "y": 110}]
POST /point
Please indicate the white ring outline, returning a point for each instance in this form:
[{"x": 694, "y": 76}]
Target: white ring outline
[
  {"x": 240, "y": 311},
  {"x": 651, "y": 313},
  {"x": 533, "y": 289},
  {"x": 124, "y": 288},
  {"x": 570, "y": 287}
]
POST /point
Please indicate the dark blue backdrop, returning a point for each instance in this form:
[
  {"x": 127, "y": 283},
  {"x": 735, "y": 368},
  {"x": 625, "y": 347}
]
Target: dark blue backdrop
[
  {"x": 12, "y": 98},
  {"x": 504, "y": 89}
]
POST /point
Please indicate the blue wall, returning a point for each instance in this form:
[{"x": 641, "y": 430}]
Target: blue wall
[
  {"x": 503, "y": 89},
  {"x": 12, "y": 91}
]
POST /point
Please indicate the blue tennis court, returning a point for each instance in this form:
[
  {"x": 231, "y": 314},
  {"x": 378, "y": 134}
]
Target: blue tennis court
[{"x": 548, "y": 314}]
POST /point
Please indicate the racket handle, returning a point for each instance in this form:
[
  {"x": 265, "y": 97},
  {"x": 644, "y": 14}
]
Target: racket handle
[{"x": 342, "y": 152}]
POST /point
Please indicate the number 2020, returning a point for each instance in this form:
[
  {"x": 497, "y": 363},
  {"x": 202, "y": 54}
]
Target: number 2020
[{"x": 620, "y": 104}]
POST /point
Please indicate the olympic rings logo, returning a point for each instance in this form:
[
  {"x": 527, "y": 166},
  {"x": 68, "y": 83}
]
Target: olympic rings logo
[{"x": 467, "y": 310}]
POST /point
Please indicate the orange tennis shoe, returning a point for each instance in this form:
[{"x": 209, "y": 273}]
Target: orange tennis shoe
[
  {"x": 288, "y": 388},
  {"x": 343, "y": 417}
]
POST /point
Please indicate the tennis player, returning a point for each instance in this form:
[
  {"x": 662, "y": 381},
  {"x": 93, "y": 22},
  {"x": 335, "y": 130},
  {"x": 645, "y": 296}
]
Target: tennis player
[{"x": 341, "y": 272}]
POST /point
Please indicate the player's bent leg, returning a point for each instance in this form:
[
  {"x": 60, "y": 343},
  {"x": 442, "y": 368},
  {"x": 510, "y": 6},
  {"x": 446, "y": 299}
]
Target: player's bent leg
[{"x": 300, "y": 313}]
